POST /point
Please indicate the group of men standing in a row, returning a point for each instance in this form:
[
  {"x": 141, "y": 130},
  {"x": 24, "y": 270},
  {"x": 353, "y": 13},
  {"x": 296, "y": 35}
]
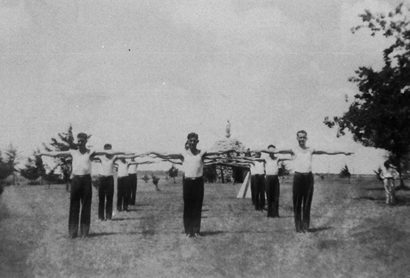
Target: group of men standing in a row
[
  {"x": 81, "y": 189},
  {"x": 193, "y": 161},
  {"x": 126, "y": 167}
]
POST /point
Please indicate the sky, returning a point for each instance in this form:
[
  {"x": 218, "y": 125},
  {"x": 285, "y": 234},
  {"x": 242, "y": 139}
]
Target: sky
[{"x": 143, "y": 74}]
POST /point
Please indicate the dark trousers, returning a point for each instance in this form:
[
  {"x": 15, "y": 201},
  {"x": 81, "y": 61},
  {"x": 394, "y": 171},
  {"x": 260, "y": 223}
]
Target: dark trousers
[
  {"x": 253, "y": 189},
  {"x": 302, "y": 200},
  {"x": 193, "y": 195},
  {"x": 272, "y": 194},
  {"x": 133, "y": 188},
  {"x": 80, "y": 194},
  {"x": 123, "y": 193},
  {"x": 105, "y": 196},
  {"x": 259, "y": 189}
]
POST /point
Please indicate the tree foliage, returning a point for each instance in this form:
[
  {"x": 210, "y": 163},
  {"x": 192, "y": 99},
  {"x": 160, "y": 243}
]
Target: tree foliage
[
  {"x": 63, "y": 142},
  {"x": 34, "y": 167},
  {"x": 380, "y": 113},
  {"x": 173, "y": 172},
  {"x": 8, "y": 164},
  {"x": 145, "y": 178},
  {"x": 344, "y": 172},
  {"x": 283, "y": 170}
]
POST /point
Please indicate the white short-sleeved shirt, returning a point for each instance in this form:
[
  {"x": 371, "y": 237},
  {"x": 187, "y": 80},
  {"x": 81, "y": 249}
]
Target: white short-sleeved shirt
[
  {"x": 122, "y": 170},
  {"x": 107, "y": 166},
  {"x": 388, "y": 173},
  {"x": 193, "y": 165},
  {"x": 81, "y": 164},
  {"x": 271, "y": 166},
  {"x": 132, "y": 169},
  {"x": 258, "y": 168},
  {"x": 302, "y": 159}
]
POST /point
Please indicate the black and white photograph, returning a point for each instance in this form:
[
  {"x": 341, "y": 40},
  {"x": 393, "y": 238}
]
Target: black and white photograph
[{"x": 205, "y": 138}]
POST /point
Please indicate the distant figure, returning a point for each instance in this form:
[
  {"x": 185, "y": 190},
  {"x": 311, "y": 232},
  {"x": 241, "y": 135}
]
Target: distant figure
[
  {"x": 228, "y": 129},
  {"x": 388, "y": 175}
]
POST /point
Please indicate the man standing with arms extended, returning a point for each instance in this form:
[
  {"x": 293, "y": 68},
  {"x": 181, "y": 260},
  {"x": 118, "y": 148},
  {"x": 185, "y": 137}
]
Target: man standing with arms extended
[
  {"x": 303, "y": 180},
  {"x": 81, "y": 192}
]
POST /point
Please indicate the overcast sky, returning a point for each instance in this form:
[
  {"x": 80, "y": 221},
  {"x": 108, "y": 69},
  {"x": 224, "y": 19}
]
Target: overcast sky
[{"x": 142, "y": 74}]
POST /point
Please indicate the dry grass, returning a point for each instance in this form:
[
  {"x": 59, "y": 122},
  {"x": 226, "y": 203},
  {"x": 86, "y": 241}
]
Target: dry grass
[{"x": 354, "y": 235}]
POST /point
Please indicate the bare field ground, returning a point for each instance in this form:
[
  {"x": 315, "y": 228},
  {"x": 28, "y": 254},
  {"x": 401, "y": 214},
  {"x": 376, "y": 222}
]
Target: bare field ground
[{"x": 353, "y": 235}]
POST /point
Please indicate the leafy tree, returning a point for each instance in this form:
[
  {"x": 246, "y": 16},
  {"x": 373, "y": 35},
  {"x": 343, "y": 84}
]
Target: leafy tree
[
  {"x": 64, "y": 142},
  {"x": 8, "y": 165},
  {"x": 145, "y": 178},
  {"x": 173, "y": 172},
  {"x": 34, "y": 167},
  {"x": 345, "y": 173},
  {"x": 380, "y": 113},
  {"x": 5, "y": 170},
  {"x": 283, "y": 170},
  {"x": 378, "y": 173},
  {"x": 155, "y": 181}
]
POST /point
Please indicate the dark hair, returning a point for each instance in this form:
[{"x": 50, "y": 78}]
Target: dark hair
[
  {"x": 387, "y": 163},
  {"x": 107, "y": 147},
  {"x": 82, "y": 135},
  {"x": 301, "y": 131},
  {"x": 191, "y": 135},
  {"x": 271, "y": 146}
]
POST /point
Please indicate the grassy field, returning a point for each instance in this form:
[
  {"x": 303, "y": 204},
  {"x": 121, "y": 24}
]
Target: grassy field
[{"x": 354, "y": 235}]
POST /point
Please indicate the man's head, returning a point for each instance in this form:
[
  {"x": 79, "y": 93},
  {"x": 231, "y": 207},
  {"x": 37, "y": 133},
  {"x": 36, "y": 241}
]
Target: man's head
[
  {"x": 192, "y": 140},
  {"x": 301, "y": 136},
  {"x": 82, "y": 139},
  {"x": 108, "y": 147},
  {"x": 271, "y": 148},
  {"x": 387, "y": 164}
]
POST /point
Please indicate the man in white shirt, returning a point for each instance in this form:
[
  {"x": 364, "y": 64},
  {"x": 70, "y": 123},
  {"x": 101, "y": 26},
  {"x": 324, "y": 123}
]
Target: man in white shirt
[
  {"x": 123, "y": 184},
  {"x": 388, "y": 174},
  {"x": 193, "y": 182},
  {"x": 106, "y": 188},
  {"x": 272, "y": 187},
  {"x": 303, "y": 180},
  {"x": 132, "y": 175},
  {"x": 258, "y": 181},
  {"x": 81, "y": 191}
]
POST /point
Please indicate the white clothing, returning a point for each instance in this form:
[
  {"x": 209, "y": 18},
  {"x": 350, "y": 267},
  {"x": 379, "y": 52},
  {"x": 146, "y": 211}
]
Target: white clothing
[
  {"x": 132, "y": 169},
  {"x": 81, "y": 163},
  {"x": 107, "y": 166},
  {"x": 122, "y": 170},
  {"x": 258, "y": 168},
  {"x": 302, "y": 159},
  {"x": 193, "y": 165},
  {"x": 271, "y": 166},
  {"x": 389, "y": 173}
]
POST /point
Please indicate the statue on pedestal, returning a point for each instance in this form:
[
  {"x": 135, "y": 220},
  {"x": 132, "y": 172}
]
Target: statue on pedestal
[{"x": 228, "y": 129}]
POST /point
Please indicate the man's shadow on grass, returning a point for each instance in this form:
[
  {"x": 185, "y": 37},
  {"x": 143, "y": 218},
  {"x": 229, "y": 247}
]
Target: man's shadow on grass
[
  {"x": 100, "y": 234},
  {"x": 319, "y": 229},
  {"x": 212, "y": 233},
  {"x": 130, "y": 218}
]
